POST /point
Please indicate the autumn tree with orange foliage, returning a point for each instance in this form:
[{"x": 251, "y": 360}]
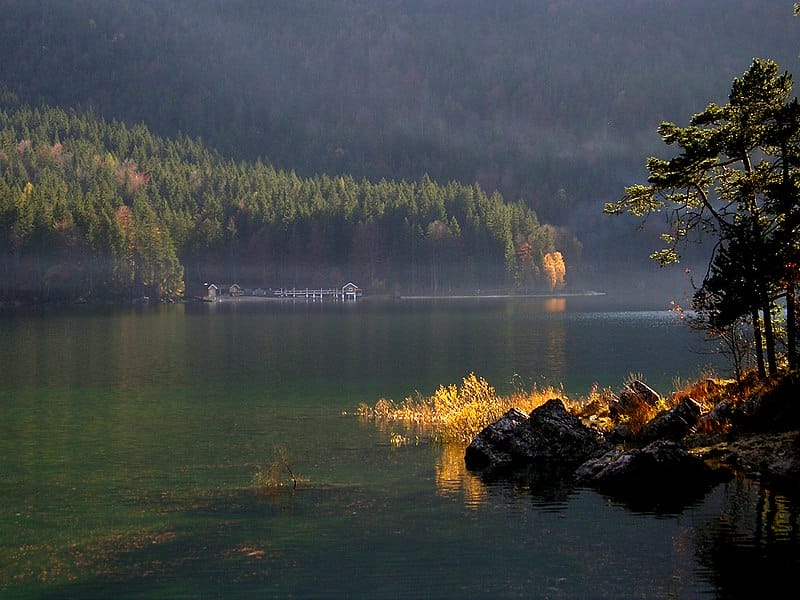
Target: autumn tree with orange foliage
[{"x": 554, "y": 270}]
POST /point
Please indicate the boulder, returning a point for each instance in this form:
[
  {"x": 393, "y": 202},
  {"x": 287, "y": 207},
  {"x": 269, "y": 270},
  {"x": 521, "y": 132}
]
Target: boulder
[
  {"x": 637, "y": 389},
  {"x": 718, "y": 417},
  {"x": 620, "y": 434},
  {"x": 673, "y": 424},
  {"x": 560, "y": 436},
  {"x": 662, "y": 467},
  {"x": 549, "y": 435},
  {"x": 634, "y": 396},
  {"x": 496, "y": 444}
]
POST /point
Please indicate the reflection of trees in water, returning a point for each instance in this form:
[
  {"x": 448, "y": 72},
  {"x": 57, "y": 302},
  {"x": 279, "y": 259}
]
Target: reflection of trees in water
[
  {"x": 751, "y": 549},
  {"x": 555, "y": 305},
  {"x": 556, "y": 351},
  {"x": 535, "y": 336}
]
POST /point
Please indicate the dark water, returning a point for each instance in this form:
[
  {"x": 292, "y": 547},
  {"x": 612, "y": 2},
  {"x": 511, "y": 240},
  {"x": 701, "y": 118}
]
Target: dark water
[{"x": 129, "y": 439}]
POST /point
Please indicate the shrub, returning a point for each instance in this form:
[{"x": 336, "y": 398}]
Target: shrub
[{"x": 275, "y": 475}]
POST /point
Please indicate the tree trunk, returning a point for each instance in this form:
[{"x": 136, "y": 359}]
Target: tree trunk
[
  {"x": 791, "y": 326},
  {"x": 769, "y": 340},
  {"x": 758, "y": 342}
]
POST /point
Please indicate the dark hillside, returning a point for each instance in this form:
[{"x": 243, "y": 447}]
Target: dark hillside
[
  {"x": 553, "y": 102},
  {"x": 528, "y": 97}
]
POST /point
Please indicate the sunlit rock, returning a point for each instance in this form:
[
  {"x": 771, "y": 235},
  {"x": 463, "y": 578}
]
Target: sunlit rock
[
  {"x": 719, "y": 416},
  {"x": 549, "y": 435},
  {"x": 635, "y": 396},
  {"x": 673, "y": 424}
]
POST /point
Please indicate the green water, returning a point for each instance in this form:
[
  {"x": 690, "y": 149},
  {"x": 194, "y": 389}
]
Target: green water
[{"x": 129, "y": 439}]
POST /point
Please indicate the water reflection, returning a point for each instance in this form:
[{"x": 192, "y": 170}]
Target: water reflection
[
  {"x": 555, "y": 305},
  {"x": 115, "y": 347},
  {"x": 556, "y": 351},
  {"x": 742, "y": 538},
  {"x": 750, "y": 548},
  {"x": 453, "y": 479},
  {"x": 549, "y": 488},
  {"x": 149, "y": 421},
  {"x": 536, "y": 334}
]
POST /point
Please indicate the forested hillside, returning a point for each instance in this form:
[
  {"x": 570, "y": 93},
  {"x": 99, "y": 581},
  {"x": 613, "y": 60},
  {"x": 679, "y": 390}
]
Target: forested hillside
[
  {"x": 91, "y": 208},
  {"x": 551, "y": 102}
]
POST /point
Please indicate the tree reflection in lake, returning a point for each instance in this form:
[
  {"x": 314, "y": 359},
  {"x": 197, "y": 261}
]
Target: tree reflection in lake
[
  {"x": 750, "y": 549},
  {"x": 744, "y": 537}
]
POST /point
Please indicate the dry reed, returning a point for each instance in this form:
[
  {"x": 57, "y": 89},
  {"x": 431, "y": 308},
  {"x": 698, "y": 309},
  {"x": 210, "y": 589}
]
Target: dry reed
[{"x": 457, "y": 412}]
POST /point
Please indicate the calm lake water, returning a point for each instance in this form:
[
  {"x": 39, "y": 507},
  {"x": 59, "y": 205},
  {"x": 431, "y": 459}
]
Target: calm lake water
[{"x": 129, "y": 439}]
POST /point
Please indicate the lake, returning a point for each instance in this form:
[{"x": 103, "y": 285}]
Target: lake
[{"x": 130, "y": 438}]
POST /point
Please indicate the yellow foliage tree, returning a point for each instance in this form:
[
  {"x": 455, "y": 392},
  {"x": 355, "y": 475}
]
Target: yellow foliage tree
[{"x": 554, "y": 269}]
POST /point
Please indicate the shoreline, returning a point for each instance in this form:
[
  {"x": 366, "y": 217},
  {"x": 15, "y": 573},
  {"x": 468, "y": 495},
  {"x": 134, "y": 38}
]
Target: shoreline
[
  {"x": 19, "y": 304},
  {"x": 502, "y": 296}
]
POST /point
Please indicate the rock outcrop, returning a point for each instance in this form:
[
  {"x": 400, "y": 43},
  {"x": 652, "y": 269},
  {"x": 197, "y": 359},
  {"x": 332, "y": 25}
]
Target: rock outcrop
[
  {"x": 635, "y": 396},
  {"x": 549, "y": 435},
  {"x": 660, "y": 466},
  {"x": 737, "y": 436},
  {"x": 771, "y": 457},
  {"x": 662, "y": 477},
  {"x": 673, "y": 424}
]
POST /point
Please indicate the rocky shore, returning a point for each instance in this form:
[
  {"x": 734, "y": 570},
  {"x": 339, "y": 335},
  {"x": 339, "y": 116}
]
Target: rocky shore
[{"x": 684, "y": 448}]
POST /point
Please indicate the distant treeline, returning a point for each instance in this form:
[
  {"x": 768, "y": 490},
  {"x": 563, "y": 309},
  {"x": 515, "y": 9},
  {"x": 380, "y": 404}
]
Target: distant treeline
[{"x": 96, "y": 208}]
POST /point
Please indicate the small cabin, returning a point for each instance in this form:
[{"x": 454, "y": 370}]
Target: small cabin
[
  {"x": 351, "y": 291},
  {"x": 212, "y": 294},
  {"x": 235, "y": 290}
]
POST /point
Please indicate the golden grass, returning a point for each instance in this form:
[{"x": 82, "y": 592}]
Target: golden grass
[
  {"x": 457, "y": 412},
  {"x": 707, "y": 391}
]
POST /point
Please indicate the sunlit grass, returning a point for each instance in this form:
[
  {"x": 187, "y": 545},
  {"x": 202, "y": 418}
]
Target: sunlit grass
[
  {"x": 457, "y": 412},
  {"x": 709, "y": 390},
  {"x": 594, "y": 407}
]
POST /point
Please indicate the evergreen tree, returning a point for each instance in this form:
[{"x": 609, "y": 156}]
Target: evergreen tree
[
  {"x": 107, "y": 210},
  {"x": 734, "y": 179}
]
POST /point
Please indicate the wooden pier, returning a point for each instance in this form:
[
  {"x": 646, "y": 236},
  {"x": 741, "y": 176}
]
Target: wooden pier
[
  {"x": 350, "y": 291},
  {"x": 330, "y": 293},
  {"x": 347, "y": 292}
]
